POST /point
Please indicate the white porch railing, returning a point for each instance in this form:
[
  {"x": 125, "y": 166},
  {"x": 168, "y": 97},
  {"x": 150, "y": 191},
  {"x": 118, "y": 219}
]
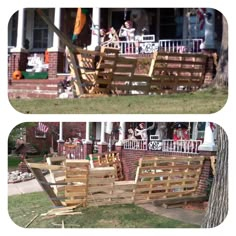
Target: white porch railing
[
  {"x": 135, "y": 144},
  {"x": 146, "y": 44},
  {"x": 181, "y": 146},
  {"x": 167, "y": 145},
  {"x": 180, "y": 45}
]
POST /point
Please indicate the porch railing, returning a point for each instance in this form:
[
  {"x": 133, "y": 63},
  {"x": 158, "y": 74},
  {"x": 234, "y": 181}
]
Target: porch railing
[
  {"x": 180, "y": 45},
  {"x": 135, "y": 144},
  {"x": 167, "y": 145},
  {"x": 146, "y": 44},
  {"x": 181, "y": 146}
]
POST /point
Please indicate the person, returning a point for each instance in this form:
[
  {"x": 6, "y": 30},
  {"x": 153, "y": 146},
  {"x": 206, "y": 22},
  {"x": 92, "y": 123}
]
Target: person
[
  {"x": 127, "y": 31},
  {"x": 103, "y": 35},
  {"x": 113, "y": 38}
]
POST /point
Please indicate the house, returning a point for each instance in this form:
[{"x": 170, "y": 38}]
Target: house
[
  {"x": 132, "y": 140},
  {"x": 177, "y": 29}
]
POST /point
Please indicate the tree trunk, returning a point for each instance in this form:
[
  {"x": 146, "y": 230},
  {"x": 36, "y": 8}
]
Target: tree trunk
[
  {"x": 221, "y": 78},
  {"x": 218, "y": 200}
]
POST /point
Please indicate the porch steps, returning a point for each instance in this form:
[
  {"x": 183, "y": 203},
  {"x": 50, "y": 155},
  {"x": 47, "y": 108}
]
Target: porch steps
[{"x": 33, "y": 88}]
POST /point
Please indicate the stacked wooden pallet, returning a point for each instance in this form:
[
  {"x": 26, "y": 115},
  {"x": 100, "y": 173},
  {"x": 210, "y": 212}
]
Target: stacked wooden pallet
[
  {"x": 76, "y": 177},
  {"x": 108, "y": 159}
]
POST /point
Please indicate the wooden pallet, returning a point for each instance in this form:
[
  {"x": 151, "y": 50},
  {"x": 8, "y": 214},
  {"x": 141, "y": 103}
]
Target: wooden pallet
[
  {"x": 76, "y": 177},
  {"x": 170, "y": 71},
  {"x": 167, "y": 177}
]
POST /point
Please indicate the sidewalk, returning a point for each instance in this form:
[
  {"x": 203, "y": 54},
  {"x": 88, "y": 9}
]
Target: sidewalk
[
  {"x": 25, "y": 187},
  {"x": 188, "y": 216}
]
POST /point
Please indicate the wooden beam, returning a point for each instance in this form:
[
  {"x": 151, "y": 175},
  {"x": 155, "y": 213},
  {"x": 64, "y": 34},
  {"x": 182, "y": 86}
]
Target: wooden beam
[
  {"x": 72, "y": 48},
  {"x": 41, "y": 180}
]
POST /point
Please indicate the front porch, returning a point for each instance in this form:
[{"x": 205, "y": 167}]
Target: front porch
[{"x": 177, "y": 40}]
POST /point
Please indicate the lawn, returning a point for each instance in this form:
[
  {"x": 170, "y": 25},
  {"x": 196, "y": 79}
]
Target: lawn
[
  {"x": 205, "y": 101},
  {"x": 14, "y": 160},
  {"x": 23, "y": 208}
]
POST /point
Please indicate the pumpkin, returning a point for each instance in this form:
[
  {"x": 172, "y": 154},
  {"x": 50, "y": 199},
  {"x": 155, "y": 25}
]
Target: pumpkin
[{"x": 17, "y": 75}]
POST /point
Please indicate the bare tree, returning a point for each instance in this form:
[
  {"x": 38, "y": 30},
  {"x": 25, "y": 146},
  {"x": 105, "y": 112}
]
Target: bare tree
[{"x": 218, "y": 200}]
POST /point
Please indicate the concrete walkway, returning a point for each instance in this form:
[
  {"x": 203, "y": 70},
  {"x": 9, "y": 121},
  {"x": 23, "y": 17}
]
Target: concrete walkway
[
  {"x": 25, "y": 187},
  {"x": 187, "y": 216}
]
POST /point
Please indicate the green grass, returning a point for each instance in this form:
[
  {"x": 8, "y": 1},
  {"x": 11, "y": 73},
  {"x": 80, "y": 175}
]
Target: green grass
[
  {"x": 23, "y": 208},
  {"x": 201, "y": 102},
  {"x": 14, "y": 160}
]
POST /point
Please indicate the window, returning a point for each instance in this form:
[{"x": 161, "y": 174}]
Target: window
[
  {"x": 201, "y": 130},
  {"x": 40, "y": 31},
  {"x": 39, "y": 134},
  {"x": 171, "y": 23}
]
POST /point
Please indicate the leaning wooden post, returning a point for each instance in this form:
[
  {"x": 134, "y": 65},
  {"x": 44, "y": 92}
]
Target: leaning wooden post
[
  {"x": 66, "y": 41},
  {"x": 44, "y": 184}
]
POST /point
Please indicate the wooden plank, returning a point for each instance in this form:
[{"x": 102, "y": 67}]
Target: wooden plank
[
  {"x": 48, "y": 190},
  {"x": 81, "y": 187},
  {"x": 73, "y": 202},
  {"x": 101, "y": 181},
  {"x": 179, "y": 62},
  {"x": 76, "y": 194},
  {"x": 165, "y": 174},
  {"x": 96, "y": 188},
  {"x": 43, "y": 166},
  {"x": 70, "y": 162},
  {"x": 76, "y": 179},
  {"x": 113, "y": 202},
  {"x": 111, "y": 196},
  {"x": 76, "y": 171}
]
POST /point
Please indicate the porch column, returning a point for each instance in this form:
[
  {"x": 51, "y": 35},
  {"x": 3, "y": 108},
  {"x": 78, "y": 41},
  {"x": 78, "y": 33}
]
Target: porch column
[
  {"x": 95, "y": 38},
  {"x": 209, "y": 42},
  {"x": 88, "y": 147},
  {"x": 121, "y": 134},
  {"x": 207, "y": 149},
  {"x": 18, "y": 58},
  {"x": 60, "y": 141},
  {"x": 55, "y": 53},
  {"x": 57, "y": 19},
  {"x": 102, "y": 145},
  {"x": 87, "y": 133},
  {"x": 20, "y": 32},
  {"x": 208, "y": 144}
]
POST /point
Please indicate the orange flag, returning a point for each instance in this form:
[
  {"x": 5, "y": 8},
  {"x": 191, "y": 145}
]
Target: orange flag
[{"x": 79, "y": 22}]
